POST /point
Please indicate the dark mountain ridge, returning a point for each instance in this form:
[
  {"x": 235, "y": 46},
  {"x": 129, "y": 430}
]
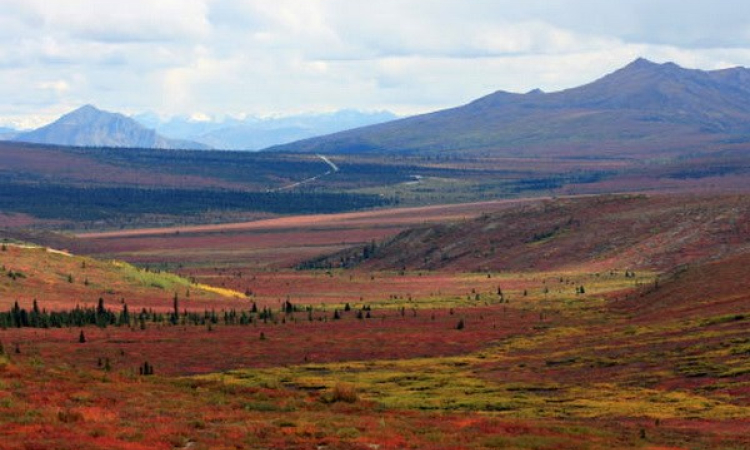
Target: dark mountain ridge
[{"x": 634, "y": 111}]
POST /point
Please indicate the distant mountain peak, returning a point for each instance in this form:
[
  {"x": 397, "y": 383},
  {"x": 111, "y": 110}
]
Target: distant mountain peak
[
  {"x": 640, "y": 63},
  {"x": 88, "y": 112},
  {"x": 88, "y": 107},
  {"x": 643, "y": 65},
  {"x": 89, "y": 126}
]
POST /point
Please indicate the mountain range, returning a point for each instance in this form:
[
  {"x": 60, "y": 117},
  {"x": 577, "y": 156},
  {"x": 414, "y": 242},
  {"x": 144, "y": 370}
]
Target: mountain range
[
  {"x": 89, "y": 126},
  {"x": 7, "y": 133},
  {"x": 637, "y": 110},
  {"x": 643, "y": 110},
  {"x": 254, "y": 133}
]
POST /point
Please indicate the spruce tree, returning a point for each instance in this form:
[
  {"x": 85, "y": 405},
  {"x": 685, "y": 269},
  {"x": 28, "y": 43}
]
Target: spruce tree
[
  {"x": 174, "y": 318},
  {"x": 102, "y": 317},
  {"x": 124, "y": 316},
  {"x": 146, "y": 369}
]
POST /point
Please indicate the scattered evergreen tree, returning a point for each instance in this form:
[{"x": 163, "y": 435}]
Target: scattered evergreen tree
[
  {"x": 124, "y": 318},
  {"x": 82, "y": 338},
  {"x": 460, "y": 325},
  {"x": 146, "y": 369},
  {"x": 174, "y": 318}
]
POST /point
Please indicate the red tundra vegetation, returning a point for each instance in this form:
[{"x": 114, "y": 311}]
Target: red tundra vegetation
[{"x": 598, "y": 342}]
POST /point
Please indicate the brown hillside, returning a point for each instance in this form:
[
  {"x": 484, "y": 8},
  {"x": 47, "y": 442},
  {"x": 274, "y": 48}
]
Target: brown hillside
[
  {"x": 636, "y": 232},
  {"x": 716, "y": 288}
]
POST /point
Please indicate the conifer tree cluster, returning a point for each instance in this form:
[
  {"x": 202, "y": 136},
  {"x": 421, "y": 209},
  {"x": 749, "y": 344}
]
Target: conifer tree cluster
[{"x": 101, "y": 316}]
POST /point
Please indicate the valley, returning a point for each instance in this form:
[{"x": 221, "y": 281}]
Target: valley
[
  {"x": 579, "y": 350},
  {"x": 564, "y": 270}
]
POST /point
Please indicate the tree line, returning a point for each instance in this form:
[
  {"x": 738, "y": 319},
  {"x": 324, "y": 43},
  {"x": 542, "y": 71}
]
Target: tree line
[{"x": 101, "y": 316}]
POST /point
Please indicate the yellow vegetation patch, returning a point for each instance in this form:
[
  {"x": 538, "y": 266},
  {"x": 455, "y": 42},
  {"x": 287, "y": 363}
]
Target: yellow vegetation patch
[
  {"x": 221, "y": 291},
  {"x": 447, "y": 384}
]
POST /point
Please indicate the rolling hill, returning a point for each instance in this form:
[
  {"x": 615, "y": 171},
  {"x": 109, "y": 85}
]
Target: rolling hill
[
  {"x": 639, "y": 110},
  {"x": 711, "y": 289},
  {"x": 60, "y": 280},
  {"x": 89, "y": 126},
  {"x": 624, "y": 232}
]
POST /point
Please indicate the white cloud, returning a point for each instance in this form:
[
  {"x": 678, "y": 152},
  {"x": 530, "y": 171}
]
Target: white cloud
[
  {"x": 58, "y": 86},
  {"x": 234, "y": 57},
  {"x": 120, "y": 21}
]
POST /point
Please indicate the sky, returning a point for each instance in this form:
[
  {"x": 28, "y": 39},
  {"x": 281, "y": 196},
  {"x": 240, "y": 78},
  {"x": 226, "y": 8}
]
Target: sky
[{"x": 214, "y": 58}]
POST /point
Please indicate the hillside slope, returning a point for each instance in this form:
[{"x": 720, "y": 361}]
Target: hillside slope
[
  {"x": 636, "y": 232},
  {"x": 640, "y": 109},
  {"x": 60, "y": 280},
  {"x": 714, "y": 288}
]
